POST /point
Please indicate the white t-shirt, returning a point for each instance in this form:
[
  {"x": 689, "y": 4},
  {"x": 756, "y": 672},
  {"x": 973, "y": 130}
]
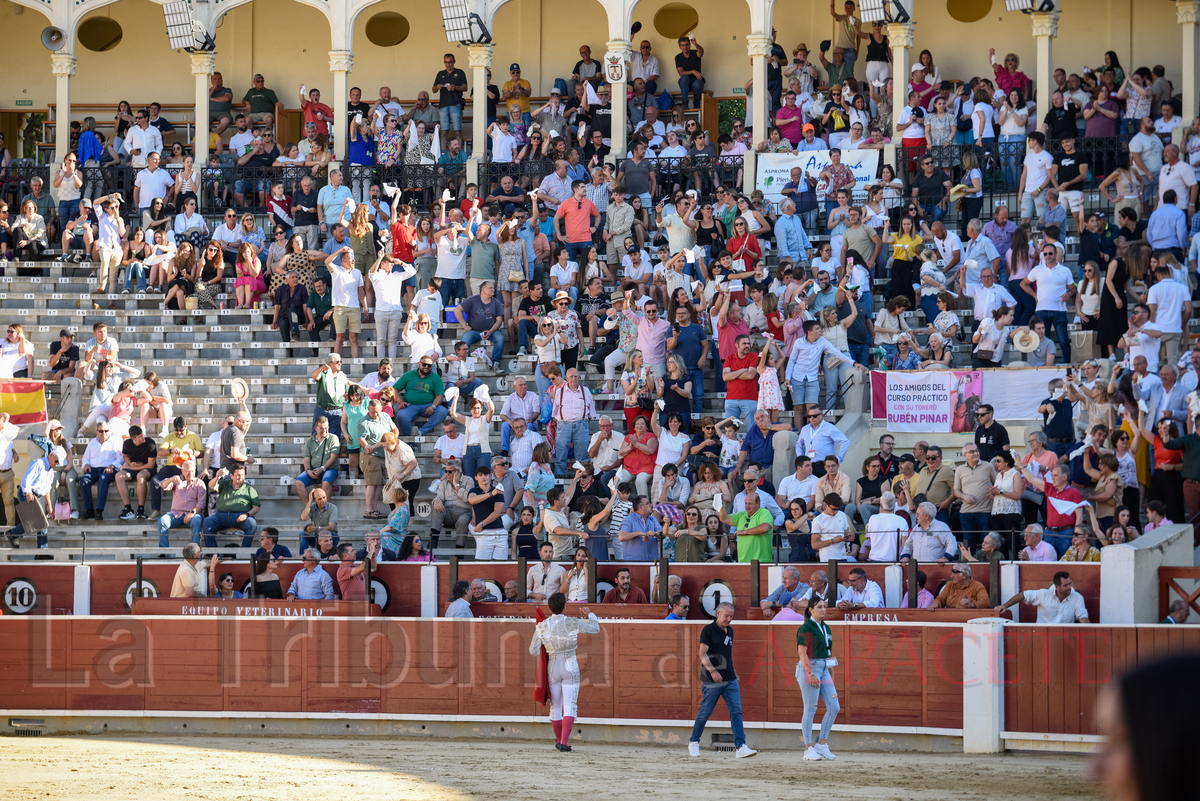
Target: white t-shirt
[
  {"x": 451, "y": 447},
  {"x": 1051, "y": 610},
  {"x": 452, "y": 257},
  {"x": 1052, "y": 284},
  {"x": 947, "y": 246},
  {"x": 345, "y": 286},
  {"x": 1168, "y": 297},
  {"x": 1162, "y": 126},
  {"x": 1146, "y": 346},
  {"x": 793, "y": 488},
  {"x": 213, "y": 444},
  {"x": 502, "y": 146},
  {"x": 671, "y": 447},
  {"x": 1177, "y": 176},
  {"x": 916, "y": 128},
  {"x": 830, "y": 527},
  {"x": 639, "y": 272},
  {"x": 241, "y": 142},
  {"x": 430, "y": 303},
  {"x": 882, "y": 530},
  {"x": 565, "y": 275},
  {"x": 1037, "y": 165}
]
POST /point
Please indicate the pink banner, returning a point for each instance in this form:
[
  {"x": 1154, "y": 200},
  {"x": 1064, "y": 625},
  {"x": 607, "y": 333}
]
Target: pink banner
[{"x": 934, "y": 401}]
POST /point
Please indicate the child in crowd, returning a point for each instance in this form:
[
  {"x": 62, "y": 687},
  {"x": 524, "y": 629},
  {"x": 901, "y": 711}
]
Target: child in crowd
[
  {"x": 730, "y": 445},
  {"x": 620, "y": 510}
]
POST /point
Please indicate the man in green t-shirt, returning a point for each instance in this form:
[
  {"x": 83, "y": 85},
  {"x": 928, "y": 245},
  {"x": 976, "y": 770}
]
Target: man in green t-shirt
[
  {"x": 237, "y": 504},
  {"x": 419, "y": 394},
  {"x": 331, "y": 392},
  {"x": 261, "y": 104},
  {"x": 753, "y": 529},
  {"x": 319, "y": 310}
]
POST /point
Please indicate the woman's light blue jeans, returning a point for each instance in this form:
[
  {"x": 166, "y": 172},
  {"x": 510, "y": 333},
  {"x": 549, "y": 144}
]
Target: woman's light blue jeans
[
  {"x": 834, "y": 378},
  {"x": 1012, "y": 158},
  {"x": 826, "y": 691}
]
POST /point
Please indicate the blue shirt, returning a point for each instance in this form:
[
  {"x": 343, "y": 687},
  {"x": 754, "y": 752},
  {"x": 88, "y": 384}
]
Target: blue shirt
[
  {"x": 983, "y": 251},
  {"x": 1167, "y": 228},
  {"x": 818, "y": 443},
  {"x": 674, "y": 616},
  {"x": 332, "y": 246},
  {"x": 781, "y": 596},
  {"x": 314, "y": 586},
  {"x": 636, "y": 550},
  {"x": 39, "y": 478},
  {"x": 759, "y": 446},
  {"x": 688, "y": 345},
  {"x": 526, "y": 235},
  {"x": 790, "y": 236},
  {"x": 815, "y": 144},
  {"x": 332, "y": 199}
]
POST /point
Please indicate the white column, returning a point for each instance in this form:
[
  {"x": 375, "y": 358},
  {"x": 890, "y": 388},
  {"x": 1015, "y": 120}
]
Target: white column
[
  {"x": 63, "y": 67},
  {"x": 1187, "y": 13},
  {"x": 341, "y": 63},
  {"x": 759, "y": 47},
  {"x": 1045, "y": 28},
  {"x": 983, "y": 687},
  {"x": 480, "y": 59},
  {"x": 900, "y": 35},
  {"x": 620, "y": 109},
  {"x": 83, "y": 590},
  {"x": 202, "y": 70}
]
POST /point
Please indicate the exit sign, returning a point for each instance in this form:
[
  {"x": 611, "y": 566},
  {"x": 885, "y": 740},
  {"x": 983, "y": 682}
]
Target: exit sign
[{"x": 24, "y": 102}]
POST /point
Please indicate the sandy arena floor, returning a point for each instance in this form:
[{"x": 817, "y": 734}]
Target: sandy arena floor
[{"x": 162, "y": 769}]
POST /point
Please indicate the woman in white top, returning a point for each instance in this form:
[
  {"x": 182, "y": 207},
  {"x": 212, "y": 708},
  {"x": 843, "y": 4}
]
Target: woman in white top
[
  {"x": 889, "y": 323},
  {"x": 548, "y": 344},
  {"x": 674, "y": 446},
  {"x": 560, "y": 636},
  {"x": 825, "y": 261},
  {"x": 893, "y": 187},
  {"x": 983, "y": 118},
  {"x": 874, "y": 211},
  {"x": 190, "y": 222},
  {"x": 421, "y": 341},
  {"x": 932, "y": 73},
  {"x": 574, "y": 582},
  {"x": 836, "y": 371},
  {"x": 563, "y": 275},
  {"x": 1006, "y": 494},
  {"x": 990, "y": 338},
  {"x": 1012, "y": 117},
  {"x": 15, "y": 352},
  {"x": 187, "y": 180},
  {"x": 1087, "y": 301},
  {"x": 108, "y": 379},
  {"x": 478, "y": 432}
]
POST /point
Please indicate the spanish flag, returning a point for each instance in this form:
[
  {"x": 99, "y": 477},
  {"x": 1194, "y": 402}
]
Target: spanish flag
[{"x": 25, "y": 401}]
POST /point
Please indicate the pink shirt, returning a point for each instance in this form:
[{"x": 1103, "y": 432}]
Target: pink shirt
[
  {"x": 1043, "y": 552},
  {"x": 787, "y": 614},
  {"x": 652, "y": 339}
]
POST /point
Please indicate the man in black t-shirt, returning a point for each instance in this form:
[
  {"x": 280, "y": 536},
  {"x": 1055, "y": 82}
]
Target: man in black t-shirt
[
  {"x": 929, "y": 190},
  {"x": 991, "y": 437},
  {"x": 356, "y": 107},
  {"x": 1069, "y": 172},
  {"x": 687, "y": 64},
  {"x": 532, "y": 309},
  {"x": 507, "y": 193},
  {"x": 591, "y": 307},
  {"x": 139, "y": 454},
  {"x": 718, "y": 680},
  {"x": 1060, "y": 119},
  {"x": 63, "y": 356},
  {"x": 451, "y": 83}
]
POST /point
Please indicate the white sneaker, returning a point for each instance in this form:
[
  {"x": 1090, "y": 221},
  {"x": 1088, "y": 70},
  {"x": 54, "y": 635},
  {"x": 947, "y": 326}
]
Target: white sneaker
[
  {"x": 693, "y": 749},
  {"x": 522, "y": 352},
  {"x": 813, "y": 755},
  {"x": 745, "y": 751},
  {"x": 823, "y": 750},
  {"x": 74, "y": 515}
]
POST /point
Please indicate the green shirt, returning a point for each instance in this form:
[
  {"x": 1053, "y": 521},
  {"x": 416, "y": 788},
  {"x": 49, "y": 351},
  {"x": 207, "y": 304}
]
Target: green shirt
[
  {"x": 816, "y": 637},
  {"x": 371, "y": 431},
  {"x": 320, "y": 519},
  {"x": 262, "y": 101},
  {"x": 238, "y": 501},
  {"x": 1190, "y": 445},
  {"x": 484, "y": 256},
  {"x": 318, "y": 451},
  {"x": 757, "y": 546},
  {"x": 331, "y": 389},
  {"x": 413, "y": 389},
  {"x": 319, "y": 303}
]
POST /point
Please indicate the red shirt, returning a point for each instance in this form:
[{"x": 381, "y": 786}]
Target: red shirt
[
  {"x": 353, "y": 588},
  {"x": 578, "y": 215},
  {"x": 403, "y": 237},
  {"x": 742, "y": 388},
  {"x": 467, "y": 207},
  {"x": 312, "y": 111},
  {"x": 727, "y": 334},
  {"x": 751, "y": 254},
  {"x": 1053, "y": 518}
]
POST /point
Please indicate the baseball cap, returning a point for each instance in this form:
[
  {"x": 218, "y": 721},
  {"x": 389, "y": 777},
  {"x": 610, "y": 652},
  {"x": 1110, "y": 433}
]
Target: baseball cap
[
  {"x": 87, "y": 204},
  {"x": 514, "y": 67},
  {"x": 509, "y": 209},
  {"x": 66, "y": 333},
  {"x": 556, "y": 91},
  {"x": 908, "y": 457},
  {"x": 808, "y": 126}
]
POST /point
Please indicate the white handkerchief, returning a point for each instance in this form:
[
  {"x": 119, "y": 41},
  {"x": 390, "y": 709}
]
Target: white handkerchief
[{"x": 1066, "y": 507}]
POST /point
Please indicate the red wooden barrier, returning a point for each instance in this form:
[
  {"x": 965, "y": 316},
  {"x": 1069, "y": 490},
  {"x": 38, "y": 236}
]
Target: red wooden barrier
[
  {"x": 31, "y": 589},
  {"x": 254, "y": 607},
  {"x": 1085, "y": 578},
  {"x": 1169, "y": 589}
]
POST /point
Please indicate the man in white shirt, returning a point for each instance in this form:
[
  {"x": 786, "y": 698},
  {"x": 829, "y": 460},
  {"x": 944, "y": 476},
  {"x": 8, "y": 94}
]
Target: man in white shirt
[
  {"x": 152, "y": 182},
  {"x": 229, "y": 234},
  {"x": 8, "y": 479},
  {"x": 1179, "y": 176},
  {"x": 451, "y": 445},
  {"x": 947, "y": 243},
  {"x": 428, "y": 301},
  {"x": 1035, "y": 177},
  {"x": 834, "y": 530},
  {"x": 100, "y": 463},
  {"x": 861, "y": 594},
  {"x": 380, "y": 378},
  {"x": 930, "y": 539},
  {"x": 1146, "y": 157},
  {"x": 819, "y": 439},
  {"x": 988, "y": 295},
  {"x": 604, "y": 450},
  {"x": 112, "y": 234},
  {"x": 142, "y": 139},
  {"x": 460, "y": 371},
  {"x": 521, "y": 443},
  {"x": 802, "y": 485},
  {"x": 1056, "y": 605},
  {"x": 645, "y": 66},
  {"x": 388, "y": 284},
  {"x": 886, "y": 530},
  {"x": 1189, "y": 366},
  {"x": 1170, "y": 307},
  {"x": 1055, "y": 287},
  {"x": 349, "y": 299},
  {"x": 241, "y": 142},
  {"x": 1143, "y": 337}
]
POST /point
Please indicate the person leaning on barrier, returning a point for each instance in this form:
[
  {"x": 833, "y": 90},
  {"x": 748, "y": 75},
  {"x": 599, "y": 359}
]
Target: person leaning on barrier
[
  {"x": 962, "y": 591},
  {"x": 861, "y": 594},
  {"x": 312, "y": 583},
  {"x": 930, "y": 539},
  {"x": 991, "y": 547},
  {"x": 782, "y": 595},
  {"x": 189, "y": 578},
  {"x": 268, "y": 544},
  {"x": 1057, "y": 604}
]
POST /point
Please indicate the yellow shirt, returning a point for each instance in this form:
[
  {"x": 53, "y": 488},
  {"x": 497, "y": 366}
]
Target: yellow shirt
[
  {"x": 905, "y": 247},
  {"x": 520, "y": 100}
]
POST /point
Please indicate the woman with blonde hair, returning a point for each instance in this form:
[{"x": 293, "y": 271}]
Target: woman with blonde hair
[
  {"x": 17, "y": 351},
  {"x": 639, "y": 384},
  {"x": 422, "y": 342},
  {"x": 362, "y": 241}
]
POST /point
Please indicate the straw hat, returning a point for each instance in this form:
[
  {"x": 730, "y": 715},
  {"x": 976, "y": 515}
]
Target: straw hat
[
  {"x": 1026, "y": 341},
  {"x": 958, "y": 192},
  {"x": 238, "y": 388}
]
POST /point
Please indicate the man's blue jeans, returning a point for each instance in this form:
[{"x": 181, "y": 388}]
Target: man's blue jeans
[
  {"x": 743, "y": 409},
  {"x": 496, "y": 338},
  {"x": 169, "y": 521},
  {"x": 506, "y": 433},
  {"x": 577, "y": 250},
  {"x": 525, "y": 330},
  {"x": 1057, "y": 320},
  {"x": 851, "y": 57},
  {"x": 1059, "y": 539},
  {"x": 688, "y": 84},
  {"x": 570, "y": 432},
  {"x": 806, "y": 390},
  {"x": 334, "y": 416},
  {"x": 697, "y": 378},
  {"x": 408, "y": 415},
  {"x": 138, "y": 270},
  {"x": 452, "y": 288},
  {"x": 95, "y": 475},
  {"x": 861, "y": 354},
  {"x": 933, "y": 213},
  {"x": 732, "y": 694},
  {"x": 222, "y": 520},
  {"x": 974, "y": 526}
]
